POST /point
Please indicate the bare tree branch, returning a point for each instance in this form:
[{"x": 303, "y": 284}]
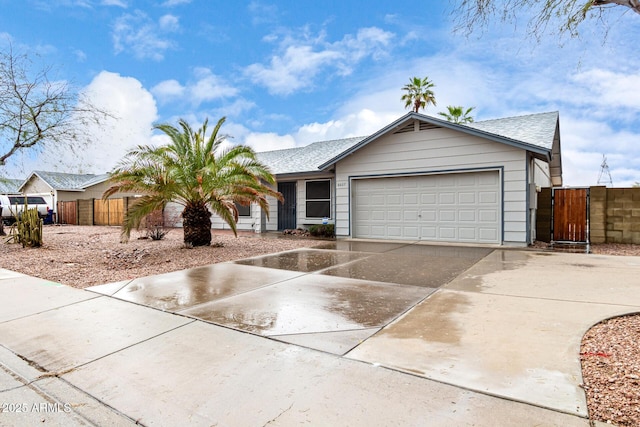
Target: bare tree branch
[
  {"x": 566, "y": 15},
  {"x": 36, "y": 112}
]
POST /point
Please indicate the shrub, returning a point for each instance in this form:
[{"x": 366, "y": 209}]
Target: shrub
[
  {"x": 322, "y": 230},
  {"x": 155, "y": 226}
]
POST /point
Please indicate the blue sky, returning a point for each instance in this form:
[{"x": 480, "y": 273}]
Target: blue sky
[{"x": 288, "y": 73}]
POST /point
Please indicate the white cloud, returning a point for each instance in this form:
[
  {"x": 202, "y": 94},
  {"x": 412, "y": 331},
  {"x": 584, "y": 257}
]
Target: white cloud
[
  {"x": 172, "y": 3},
  {"x": 169, "y": 23},
  {"x": 299, "y": 61},
  {"x": 168, "y": 89},
  {"x": 209, "y": 86},
  {"x": 80, "y": 55},
  {"x": 615, "y": 89},
  {"x": 268, "y": 141},
  {"x": 360, "y": 123},
  {"x": 144, "y": 38},
  {"x": 119, "y": 3},
  {"x": 262, "y": 13},
  {"x": 134, "y": 112},
  {"x": 205, "y": 87}
]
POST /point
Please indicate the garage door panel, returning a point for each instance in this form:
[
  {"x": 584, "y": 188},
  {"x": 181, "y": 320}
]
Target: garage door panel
[
  {"x": 462, "y": 207},
  {"x": 410, "y": 199},
  {"x": 447, "y": 233},
  {"x": 488, "y": 235},
  {"x": 466, "y": 180},
  {"x": 428, "y": 198},
  {"x": 428, "y": 233},
  {"x": 394, "y": 199},
  {"x": 488, "y": 197},
  {"x": 468, "y": 198},
  {"x": 394, "y": 215},
  {"x": 467, "y": 233},
  {"x": 447, "y": 198},
  {"x": 448, "y": 215},
  {"x": 468, "y": 216},
  {"x": 429, "y": 215},
  {"x": 488, "y": 216}
]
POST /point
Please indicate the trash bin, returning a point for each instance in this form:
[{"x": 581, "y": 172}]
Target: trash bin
[{"x": 49, "y": 218}]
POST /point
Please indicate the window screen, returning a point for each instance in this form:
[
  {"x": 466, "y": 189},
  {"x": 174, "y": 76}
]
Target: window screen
[
  {"x": 318, "y": 199},
  {"x": 243, "y": 210}
]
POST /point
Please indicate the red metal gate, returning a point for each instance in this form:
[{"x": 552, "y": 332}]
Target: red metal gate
[{"x": 570, "y": 215}]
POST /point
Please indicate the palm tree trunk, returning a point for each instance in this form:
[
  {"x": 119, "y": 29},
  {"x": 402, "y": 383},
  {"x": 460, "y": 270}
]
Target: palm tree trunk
[{"x": 197, "y": 225}]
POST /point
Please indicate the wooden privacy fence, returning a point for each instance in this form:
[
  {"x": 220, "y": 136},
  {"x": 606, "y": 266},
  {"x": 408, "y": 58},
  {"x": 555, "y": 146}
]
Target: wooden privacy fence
[
  {"x": 595, "y": 215},
  {"x": 67, "y": 212},
  {"x": 92, "y": 211},
  {"x": 108, "y": 212},
  {"x": 570, "y": 215}
]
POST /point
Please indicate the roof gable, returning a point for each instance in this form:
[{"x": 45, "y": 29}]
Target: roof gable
[
  {"x": 535, "y": 133},
  {"x": 66, "y": 181}
]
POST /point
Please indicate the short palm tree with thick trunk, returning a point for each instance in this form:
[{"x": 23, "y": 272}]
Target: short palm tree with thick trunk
[
  {"x": 196, "y": 172},
  {"x": 419, "y": 93}
]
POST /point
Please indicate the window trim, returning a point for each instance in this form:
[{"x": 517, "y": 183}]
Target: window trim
[{"x": 307, "y": 199}]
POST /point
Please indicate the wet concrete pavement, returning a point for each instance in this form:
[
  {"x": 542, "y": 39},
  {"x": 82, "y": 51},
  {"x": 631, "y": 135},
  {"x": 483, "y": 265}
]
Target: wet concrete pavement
[
  {"x": 499, "y": 331},
  {"x": 335, "y": 295}
]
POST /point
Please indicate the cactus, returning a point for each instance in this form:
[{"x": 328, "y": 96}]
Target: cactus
[{"x": 27, "y": 229}]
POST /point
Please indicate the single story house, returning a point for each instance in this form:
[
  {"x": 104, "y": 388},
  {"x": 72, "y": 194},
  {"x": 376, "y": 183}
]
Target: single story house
[
  {"x": 419, "y": 178},
  {"x": 63, "y": 187}
]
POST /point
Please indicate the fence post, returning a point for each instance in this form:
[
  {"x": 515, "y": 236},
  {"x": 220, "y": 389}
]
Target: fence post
[{"x": 598, "y": 214}]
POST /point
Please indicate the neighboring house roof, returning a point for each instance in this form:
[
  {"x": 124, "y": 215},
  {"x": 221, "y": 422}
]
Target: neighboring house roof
[
  {"x": 10, "y": 186},
  {"x": 534, "y": 132},
  {"x": 66, "y": 181},
  {"x": 307, "y": 158}
]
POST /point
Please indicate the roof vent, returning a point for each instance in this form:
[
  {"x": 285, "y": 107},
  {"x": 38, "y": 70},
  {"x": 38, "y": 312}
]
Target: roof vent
[
  {"x": 427, "y": 126},
  {"x": 407, "y": 128}
]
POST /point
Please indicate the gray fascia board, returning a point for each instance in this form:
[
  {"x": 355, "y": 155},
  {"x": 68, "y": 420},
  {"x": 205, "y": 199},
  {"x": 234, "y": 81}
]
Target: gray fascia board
[
  {"x": 293, "y": 176},
  {"x": 543, "y": 153}
]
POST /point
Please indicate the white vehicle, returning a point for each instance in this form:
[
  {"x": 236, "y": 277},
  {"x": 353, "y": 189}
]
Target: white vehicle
[{"x": 12, "y": 206}]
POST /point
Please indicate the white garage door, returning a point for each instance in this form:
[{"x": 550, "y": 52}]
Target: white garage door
[{"x": 457, "y": 207}]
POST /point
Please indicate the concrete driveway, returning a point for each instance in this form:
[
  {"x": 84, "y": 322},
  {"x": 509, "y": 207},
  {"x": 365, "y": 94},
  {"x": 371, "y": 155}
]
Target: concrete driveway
[
  {"x": 330, "y": 298},
  {"x": 346, "y": 333}
]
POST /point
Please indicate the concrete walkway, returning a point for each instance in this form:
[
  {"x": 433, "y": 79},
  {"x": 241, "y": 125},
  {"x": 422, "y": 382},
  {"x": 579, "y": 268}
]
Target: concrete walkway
[{"x": 497, "y": 345}]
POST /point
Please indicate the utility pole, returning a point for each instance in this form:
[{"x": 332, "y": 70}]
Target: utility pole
[{"x": 604, "y": 177}]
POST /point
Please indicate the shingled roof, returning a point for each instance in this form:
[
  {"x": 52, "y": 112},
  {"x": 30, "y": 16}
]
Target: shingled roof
[
  {"x": 10, "y": 186},
  {"x": 307, "y": 158},
  {"x": 67, "y": 181}
]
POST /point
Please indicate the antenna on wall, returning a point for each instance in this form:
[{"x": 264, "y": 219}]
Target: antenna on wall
[{"x": 604, "y": 177}]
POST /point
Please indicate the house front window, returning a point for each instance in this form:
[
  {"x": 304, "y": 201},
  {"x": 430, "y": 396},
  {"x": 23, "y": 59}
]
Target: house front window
[
  {"x": 243, "y": 210},
  {"x": 318, "y": 199}
]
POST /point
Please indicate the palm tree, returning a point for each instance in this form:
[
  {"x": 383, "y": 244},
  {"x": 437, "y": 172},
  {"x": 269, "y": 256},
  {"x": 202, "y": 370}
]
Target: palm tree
[
  {"x": 457, "y": 114},
  {"x": 194, "y": 171},
  {"x": 419, "y": 93}
]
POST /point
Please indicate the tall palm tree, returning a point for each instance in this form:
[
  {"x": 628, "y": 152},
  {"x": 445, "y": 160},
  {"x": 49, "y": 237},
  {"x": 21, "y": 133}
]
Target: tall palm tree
[
  {"x": 194, "y": 171},
  {"x": 419, "y": 93},
  {"x": 457, "y": 114}
]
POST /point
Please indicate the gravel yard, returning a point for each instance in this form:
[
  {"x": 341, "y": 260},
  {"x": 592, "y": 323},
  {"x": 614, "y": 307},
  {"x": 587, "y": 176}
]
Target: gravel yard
[{"x": 85, "y": 256}]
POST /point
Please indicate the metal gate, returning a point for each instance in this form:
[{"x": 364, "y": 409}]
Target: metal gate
[
  {"x": 570, "y": 222},
  {"x": 287, "y": 208}
]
